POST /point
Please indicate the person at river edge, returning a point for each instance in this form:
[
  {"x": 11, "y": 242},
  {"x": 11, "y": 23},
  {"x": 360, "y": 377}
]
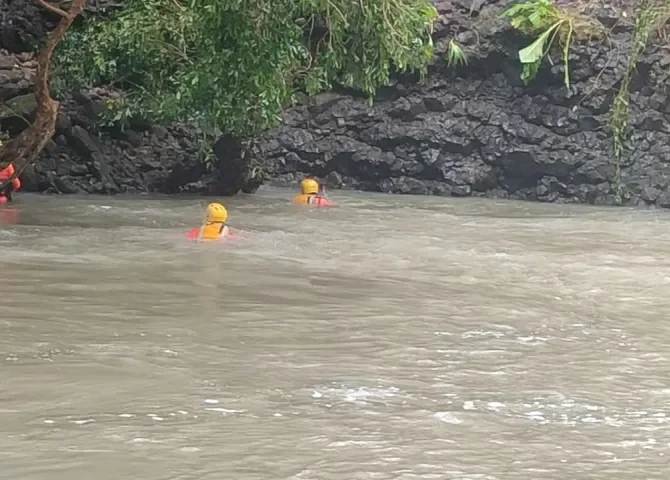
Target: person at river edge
[
  {"x": 6, "y": 191},
  {"x": 310, "y": 195},
  {"x": 214, "y": 226}
]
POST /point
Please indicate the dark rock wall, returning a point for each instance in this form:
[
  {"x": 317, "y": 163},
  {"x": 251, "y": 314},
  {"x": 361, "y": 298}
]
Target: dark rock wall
[
  {"x": 23, "y": 23},
  {"x": 473, "y": 130},
  {"x": 478, "y": 130}
]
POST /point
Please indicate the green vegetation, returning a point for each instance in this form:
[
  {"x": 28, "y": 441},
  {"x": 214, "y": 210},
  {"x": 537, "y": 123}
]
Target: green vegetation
[
  {"x": 455, "y": 54},
  {"x": 232, "y": 65},
  {"x": 549, "y": 24},
  {"x": 649, "y": 17}
]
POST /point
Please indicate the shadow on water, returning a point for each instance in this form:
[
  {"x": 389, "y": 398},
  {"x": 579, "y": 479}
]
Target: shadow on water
[{"x": 389, "y": 338}]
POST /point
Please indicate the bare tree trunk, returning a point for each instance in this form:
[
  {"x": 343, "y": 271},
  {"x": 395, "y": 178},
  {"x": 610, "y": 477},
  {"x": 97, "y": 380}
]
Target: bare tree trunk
[{"x": 24, "y": 149}]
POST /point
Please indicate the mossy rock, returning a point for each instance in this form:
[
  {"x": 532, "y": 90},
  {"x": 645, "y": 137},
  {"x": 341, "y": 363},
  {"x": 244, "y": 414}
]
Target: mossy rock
[{"x": 21, "y": 106}]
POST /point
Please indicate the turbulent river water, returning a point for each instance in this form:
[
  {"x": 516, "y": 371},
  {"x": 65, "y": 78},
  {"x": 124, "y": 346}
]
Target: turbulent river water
[{"x": 393, "y": 337}]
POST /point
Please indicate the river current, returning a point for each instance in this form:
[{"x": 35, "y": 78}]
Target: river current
[{"x": 390, "y": 338}]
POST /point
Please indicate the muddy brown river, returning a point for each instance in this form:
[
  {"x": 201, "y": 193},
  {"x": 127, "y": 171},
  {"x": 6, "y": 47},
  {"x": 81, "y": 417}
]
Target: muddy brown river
[{"x": 391, "y": 338}]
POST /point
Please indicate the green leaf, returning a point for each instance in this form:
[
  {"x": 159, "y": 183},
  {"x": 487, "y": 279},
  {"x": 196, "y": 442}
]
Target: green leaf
[
  {"x": 535, "y": 51},
  {"x": 528, "y": 71},
  {"x": 566, "y": 56}
]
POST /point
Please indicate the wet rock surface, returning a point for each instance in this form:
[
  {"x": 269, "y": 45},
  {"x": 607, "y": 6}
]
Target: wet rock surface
[
  {"x": 479, "y": 131},
  {"x": 82, "y": 158},
  {"x": 23, "y": 23}
]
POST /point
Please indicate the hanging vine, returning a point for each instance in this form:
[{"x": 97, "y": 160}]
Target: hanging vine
[{"x": 649, "y": 17}]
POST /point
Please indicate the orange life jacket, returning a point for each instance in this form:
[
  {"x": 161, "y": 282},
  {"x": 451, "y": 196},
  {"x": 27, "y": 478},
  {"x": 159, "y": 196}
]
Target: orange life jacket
[
  {"x": 210, "y": 232},
  {"x": 311, "y": 199},
  {"x": 5, "y": 174}
]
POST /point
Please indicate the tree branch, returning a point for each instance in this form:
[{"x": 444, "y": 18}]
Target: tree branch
[
  {"x": 53, "y": 9},
  {"x": 24, "y": 149}
]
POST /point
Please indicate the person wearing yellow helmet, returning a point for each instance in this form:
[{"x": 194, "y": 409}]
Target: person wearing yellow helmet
[
  {"x": 8, "y": 186},
  {"x": 214, "y": 226},
  {"x": 310, "y": 195}
]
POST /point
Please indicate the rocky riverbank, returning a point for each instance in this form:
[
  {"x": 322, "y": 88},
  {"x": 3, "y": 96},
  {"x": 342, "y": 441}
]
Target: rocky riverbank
[
  {"x": 475, "y": 130},
  {"x": 82, "y": 159},
  {"x": 480, "y": 131}
]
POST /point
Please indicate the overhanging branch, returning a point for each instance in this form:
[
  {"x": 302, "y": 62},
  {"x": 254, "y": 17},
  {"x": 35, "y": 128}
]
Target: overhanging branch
[
  {"x": 24, "y": 149},
  {"x": 51, "y": 8}
]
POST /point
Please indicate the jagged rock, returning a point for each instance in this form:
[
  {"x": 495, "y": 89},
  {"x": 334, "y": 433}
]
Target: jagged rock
[
  {"x": 232, "y": 169},
  {"x": 23, "y": 23},
  {"x": 65, "y": 184},
  {"x": 132, "y": 137},
  {"x": 17, "y": 109},
  {"x": 15, "y": 78},
  {"x": 102, "y": 171},
  {"x": 63, "y": 123},
  {"x": 159, "y": 132},
  {"x": 83, "y": 142},
  {"x": 67, "y": 167},
  {"x": 7, "y": 63}
]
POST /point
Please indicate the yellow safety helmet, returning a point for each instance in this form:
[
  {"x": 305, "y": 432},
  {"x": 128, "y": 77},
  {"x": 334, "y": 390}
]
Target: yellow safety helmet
[
  {"x": 309, "y": 186},
  {"x": 216, "y": 213}
]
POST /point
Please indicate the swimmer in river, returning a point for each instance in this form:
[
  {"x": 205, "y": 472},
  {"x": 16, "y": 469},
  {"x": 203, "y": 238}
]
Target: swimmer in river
[
  {"x": 12, "y": 186},
  {"x": 311, "y": 194},
  {"x": 214, "y": 226}
]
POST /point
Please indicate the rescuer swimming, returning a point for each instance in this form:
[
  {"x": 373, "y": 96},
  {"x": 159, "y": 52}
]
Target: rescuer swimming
[
  {"x": 214, "y": 226},
  {"x": 13, "y": 185},
  {"x": 310, "y": 195}
]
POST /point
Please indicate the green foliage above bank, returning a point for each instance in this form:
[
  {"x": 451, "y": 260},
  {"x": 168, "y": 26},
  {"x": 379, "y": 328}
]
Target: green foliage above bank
[
  {"x": 552, "y": 27},
  {"x": 234, "y": 64},
  {"x": 650, "y": 17}
]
